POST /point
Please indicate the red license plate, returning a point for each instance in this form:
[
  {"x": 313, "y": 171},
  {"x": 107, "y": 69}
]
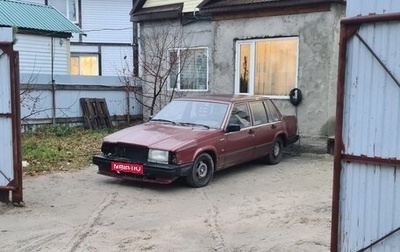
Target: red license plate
[{"x": 125, "y": 167}]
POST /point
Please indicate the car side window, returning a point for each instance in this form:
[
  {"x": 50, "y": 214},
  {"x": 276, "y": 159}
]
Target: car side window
[
  {"x": 273, "y": 115},
  {"x": 240, "y": 115},
  {"x": 259, "y": 112}
]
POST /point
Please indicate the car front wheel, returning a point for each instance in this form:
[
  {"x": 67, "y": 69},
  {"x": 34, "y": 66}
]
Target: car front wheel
[
  {"x": 275, "y": 155},
  {"x": 202, "y": 171}
]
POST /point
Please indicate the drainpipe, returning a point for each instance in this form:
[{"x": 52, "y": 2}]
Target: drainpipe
[
  {"x": 53, "y": 84},
  {"x": 135, "y": 50}
]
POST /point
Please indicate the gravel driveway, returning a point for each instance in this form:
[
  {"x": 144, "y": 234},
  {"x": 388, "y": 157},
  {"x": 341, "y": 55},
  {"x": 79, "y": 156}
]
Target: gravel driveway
[{"x": 252, "y": 207}]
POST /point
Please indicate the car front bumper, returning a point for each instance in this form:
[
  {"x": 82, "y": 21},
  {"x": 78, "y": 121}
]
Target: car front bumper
[{"x": 152, "y": 172}]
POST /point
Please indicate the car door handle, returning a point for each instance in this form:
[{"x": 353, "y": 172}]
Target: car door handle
[
  {"x": 251, "y": 131},
  {"x": 273, "y": 126}
]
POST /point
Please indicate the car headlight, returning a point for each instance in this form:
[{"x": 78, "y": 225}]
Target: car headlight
[{"x": 158, "y": 156}]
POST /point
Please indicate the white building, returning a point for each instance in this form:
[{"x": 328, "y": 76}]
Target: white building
[
  {"x": 105, "y": 48},
  {"x": 88, "y": 60}
]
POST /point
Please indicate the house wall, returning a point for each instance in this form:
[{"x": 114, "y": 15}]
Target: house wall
[
  {"x": 109, "y": 33},
  {"x": 36, "y": 56},
  {"x": 318, "y": 51},
  {"x": 318, "y": 55},
  {"x": 106, "y": 21},
  {"x": 195, "y": 34},
  {"x": 116, "y": 60}
]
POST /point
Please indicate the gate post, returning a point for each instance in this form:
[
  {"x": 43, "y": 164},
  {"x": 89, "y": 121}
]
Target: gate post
[{"x": 10, "y": 135}]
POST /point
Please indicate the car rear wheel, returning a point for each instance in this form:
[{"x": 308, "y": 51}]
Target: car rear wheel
[
  {"x": 275, "y": 155},
  {"x": 202, "y": 171}
]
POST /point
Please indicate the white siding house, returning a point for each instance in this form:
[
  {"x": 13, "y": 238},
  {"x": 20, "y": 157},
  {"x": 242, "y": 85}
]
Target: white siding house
[
  {"x": 36, "y": 54},
  {"x": 106, "y": 21},
  {"x": 106, "y": 25},
  {"x": 56, "y": 71}
]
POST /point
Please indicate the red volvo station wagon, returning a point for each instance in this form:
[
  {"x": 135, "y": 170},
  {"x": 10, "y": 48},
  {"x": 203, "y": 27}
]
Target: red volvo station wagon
[{"x": 195, "y": 137}]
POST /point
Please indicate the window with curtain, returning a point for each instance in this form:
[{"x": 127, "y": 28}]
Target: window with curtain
[
  {"x": 189, "y": 69},
  {"x": 85, "y": 65},
  {"x": 267, "y": 66}
]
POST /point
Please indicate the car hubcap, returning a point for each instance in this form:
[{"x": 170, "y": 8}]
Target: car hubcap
[
  {"x": 276, "y": 149},
  {"x": 201, "y": 170}
]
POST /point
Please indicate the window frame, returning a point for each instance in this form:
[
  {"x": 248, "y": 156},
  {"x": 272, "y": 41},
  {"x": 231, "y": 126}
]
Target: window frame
[
  {"x": 252, "y": 43},
  {"x": 80, "y": 55},
  {"x": 67, "y": 9},
  {"x": 178, "y": 82}
]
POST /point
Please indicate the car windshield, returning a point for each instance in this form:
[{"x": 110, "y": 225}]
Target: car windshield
[{"x": 193, "y": 113}]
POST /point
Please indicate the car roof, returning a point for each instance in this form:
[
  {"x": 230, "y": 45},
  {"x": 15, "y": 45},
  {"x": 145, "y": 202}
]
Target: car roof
[{"x": 225, "y": 98}]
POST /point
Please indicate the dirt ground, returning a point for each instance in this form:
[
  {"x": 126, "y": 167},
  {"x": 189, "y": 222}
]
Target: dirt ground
[{"x": 252, "y": 207}]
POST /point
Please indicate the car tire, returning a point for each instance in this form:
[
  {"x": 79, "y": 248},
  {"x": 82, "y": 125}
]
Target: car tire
[
  {"x": 202, "y": 171},
  {"x": 275, "y": 155}
]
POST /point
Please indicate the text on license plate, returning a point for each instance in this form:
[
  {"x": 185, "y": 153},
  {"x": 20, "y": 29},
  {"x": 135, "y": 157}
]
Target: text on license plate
[{"x": 125, "y": 167}]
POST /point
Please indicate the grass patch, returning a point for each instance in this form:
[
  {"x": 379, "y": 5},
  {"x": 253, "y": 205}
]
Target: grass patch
[{"x": 60, "y": 148}]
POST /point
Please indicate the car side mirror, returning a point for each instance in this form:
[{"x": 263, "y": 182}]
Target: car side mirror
[{"x": 233, "y": 128}]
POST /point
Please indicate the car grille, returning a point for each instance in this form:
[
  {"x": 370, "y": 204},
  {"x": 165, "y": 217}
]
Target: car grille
[{"x": 135, "y": 153}]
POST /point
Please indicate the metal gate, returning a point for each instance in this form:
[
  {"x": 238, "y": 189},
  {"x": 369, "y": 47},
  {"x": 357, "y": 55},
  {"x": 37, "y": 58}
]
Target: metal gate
[
  {"x": 366, "y": 187},
  {"x": 10, "y": 129}
]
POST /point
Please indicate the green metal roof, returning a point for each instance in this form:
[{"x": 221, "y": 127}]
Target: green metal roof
[{"x": 35, "y": 16}]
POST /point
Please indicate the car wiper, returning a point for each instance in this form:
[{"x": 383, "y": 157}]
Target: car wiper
[
  {"x": 195, "y": 124},
  {"x": 163, "y": 120}
]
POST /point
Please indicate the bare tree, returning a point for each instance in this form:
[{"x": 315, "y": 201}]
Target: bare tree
[
  {"x": 163, "y": 56},
  {"x": 27, "y": 99}
]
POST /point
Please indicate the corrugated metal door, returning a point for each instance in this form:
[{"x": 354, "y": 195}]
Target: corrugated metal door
[
  {"x": 366, "y": 197},
  {"x": 10, "y": 154},
  {"x": 6, "y": 155}
]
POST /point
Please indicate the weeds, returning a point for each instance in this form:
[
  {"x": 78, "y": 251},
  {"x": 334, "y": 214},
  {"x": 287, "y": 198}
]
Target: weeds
[{"x": 60, "y": 148}]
